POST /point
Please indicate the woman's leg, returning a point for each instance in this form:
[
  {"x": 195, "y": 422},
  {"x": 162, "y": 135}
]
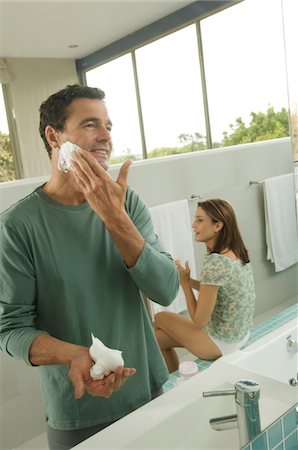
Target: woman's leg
[
  {"x": 173, "y": 330},
  {"x": 167, "y": 344}
]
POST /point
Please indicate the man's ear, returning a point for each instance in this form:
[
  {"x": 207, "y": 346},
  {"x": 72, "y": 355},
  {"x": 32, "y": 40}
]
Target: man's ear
[{"x": 52, "y": 136}]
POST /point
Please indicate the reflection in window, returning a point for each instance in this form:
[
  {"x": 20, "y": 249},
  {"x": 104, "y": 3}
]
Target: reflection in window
[
  {"x": 7, "y": 172},
  {"x": 116, "y": 79},
  {"x": 170, "y": 91},
  {"x": 245, "y": 67}
]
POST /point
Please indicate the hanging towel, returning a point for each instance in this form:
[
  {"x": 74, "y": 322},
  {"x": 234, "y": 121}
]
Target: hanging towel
[
  {"x": 281, "y": 221},
  {"x": 172, "y": 224}
]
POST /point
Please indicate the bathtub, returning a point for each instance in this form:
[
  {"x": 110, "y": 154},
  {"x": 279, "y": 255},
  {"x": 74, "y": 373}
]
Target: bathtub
[{"x": 270, "y": 356}]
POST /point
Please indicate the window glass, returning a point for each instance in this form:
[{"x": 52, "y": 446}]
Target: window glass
[
  {"x": 117, "y": 81},
  {"x": 7, "y": 172},
  {"x": 171, "y": 93},
  {"x": 290, "y": 15},
  {"x": 245, "y": 68}
]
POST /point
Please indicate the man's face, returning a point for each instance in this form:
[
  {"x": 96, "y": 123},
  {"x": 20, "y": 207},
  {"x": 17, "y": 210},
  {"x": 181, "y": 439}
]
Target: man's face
[{"x": 88, "y": 125}]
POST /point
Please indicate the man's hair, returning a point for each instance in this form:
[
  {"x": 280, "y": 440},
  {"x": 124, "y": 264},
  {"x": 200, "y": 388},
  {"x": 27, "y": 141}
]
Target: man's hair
[
  {"x": 54, "y": 112},
  {"x": 229, "y": 236}
]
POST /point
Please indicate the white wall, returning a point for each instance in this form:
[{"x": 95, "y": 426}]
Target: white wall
[
  {"x": 31, "y": 82},
  {"x": 223, "y": 173},
  {"x": 226, "y": 173}
]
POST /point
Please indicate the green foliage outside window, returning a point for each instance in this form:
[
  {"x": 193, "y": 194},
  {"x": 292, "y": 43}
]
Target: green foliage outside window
[
  {"x": 7, "y": 172},
  {"x": 263, "y": 126}
]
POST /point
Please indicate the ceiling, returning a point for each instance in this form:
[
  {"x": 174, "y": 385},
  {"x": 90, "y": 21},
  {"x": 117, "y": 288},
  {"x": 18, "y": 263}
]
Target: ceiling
[{"x": 47, "y": 29}]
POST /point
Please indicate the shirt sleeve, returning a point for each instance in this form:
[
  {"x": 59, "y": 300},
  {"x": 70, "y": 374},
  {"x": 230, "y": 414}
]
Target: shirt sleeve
[
  {"x": 213, "y": 271},
  {"x": 17, "y": 296},
  {"x": 155, "y": 272}
]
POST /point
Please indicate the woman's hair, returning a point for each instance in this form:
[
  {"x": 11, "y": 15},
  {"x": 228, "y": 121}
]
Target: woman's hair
[
  {"x": 54, "y": 112},
  {"x": 229, "y": 236}
]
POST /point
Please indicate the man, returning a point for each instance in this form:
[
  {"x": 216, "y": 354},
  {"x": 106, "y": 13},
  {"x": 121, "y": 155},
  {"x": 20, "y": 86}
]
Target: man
[{"x": 75, "y": 255}]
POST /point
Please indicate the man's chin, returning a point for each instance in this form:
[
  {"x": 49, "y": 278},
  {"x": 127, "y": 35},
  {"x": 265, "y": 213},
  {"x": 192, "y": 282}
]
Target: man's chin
[{"x": 104, "y": 163}]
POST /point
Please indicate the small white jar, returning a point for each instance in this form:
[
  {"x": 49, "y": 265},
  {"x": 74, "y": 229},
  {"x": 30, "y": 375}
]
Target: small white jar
[{"x": 187, "y": 369}]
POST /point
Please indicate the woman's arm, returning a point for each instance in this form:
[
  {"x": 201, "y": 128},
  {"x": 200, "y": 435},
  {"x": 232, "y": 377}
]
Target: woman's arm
[
  {"x": 187, "y": 283},
  {"x": 205, "y": 305},
  {"x": 200, "y": 310},
  {"x": 194, "y": 284}
]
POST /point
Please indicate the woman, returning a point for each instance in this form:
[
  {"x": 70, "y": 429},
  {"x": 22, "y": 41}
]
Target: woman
[{"x": 221, "y": 318}]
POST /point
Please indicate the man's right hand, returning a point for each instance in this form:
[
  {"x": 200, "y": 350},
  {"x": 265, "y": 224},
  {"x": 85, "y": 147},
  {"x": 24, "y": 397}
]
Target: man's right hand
[
  {"x": 47, "y": 350},
  {"x": 79, "y": 375}
]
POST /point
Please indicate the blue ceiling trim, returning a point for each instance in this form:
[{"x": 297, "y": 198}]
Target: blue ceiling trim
[{"x": 191, "y": 12}]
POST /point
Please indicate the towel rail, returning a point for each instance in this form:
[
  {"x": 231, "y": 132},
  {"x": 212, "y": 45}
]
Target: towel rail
[
  {"x": 194, "y": 196},
  {"x": 256, "y": 182}
]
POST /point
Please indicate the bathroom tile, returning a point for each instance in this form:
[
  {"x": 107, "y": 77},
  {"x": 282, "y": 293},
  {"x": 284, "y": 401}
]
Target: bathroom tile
[
  {"x": 291, "y": 442},
  {"x": 260, "y": 443},
  {"x": 289, "y": 422},
  {"x": 279, "y": 447},
  {"x": 274, "y": 434}
]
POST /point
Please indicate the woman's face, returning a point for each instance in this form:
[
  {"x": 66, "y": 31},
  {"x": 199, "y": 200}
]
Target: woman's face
[{"x": 205, "y": 230}]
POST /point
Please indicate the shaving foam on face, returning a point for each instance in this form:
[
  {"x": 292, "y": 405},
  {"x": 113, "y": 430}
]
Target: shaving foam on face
[
  {"x": 65, "y": 156},
  {"x": 105, "y": 359}
]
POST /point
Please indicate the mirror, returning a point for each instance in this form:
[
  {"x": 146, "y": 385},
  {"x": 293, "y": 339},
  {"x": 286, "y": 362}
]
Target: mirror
[{"x": 33, "y": 79}]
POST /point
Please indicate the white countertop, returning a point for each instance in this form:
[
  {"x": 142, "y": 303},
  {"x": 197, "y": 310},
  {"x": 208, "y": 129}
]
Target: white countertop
[{"x": 180, "y": 417}]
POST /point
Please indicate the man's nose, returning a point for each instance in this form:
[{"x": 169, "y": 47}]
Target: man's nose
[{"x": 103, "y": 135}]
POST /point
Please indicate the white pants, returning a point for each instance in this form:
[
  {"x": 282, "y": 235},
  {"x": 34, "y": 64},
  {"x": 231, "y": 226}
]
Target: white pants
[{"x": 229, "y": 347}]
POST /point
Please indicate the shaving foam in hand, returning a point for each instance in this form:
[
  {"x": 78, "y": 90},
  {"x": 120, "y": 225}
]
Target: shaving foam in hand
[
  {"x": 105, "y": 359},
  {"x": 65, "y": 158}
]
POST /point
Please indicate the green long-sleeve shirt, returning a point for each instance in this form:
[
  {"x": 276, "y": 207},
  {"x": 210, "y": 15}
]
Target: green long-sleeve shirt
[{"x": 61, "y": 274}]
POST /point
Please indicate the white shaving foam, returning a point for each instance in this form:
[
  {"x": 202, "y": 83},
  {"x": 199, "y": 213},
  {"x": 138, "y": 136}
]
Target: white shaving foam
[
  {"x": 105, "y": 359},
  {"x": 65, "y": 156}
]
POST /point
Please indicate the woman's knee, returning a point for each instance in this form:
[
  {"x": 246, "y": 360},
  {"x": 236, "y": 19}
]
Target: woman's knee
[
  {"x": 161, "y": 317},
  {"x": 157, "y": 320}
]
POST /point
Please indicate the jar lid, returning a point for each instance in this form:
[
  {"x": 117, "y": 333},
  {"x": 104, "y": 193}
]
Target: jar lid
[{"x": 188, "y": 368}]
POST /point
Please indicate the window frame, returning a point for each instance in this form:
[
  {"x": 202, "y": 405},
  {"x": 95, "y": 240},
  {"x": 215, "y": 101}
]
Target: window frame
[
  {"x": 191, "y": 14},
  {"x": 12, "y": 130}
]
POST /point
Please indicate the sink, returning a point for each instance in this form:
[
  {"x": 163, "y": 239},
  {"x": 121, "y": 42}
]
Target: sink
[
  {"x": 188, "y": 428},
  {"x": 270, "y": 356},
  {"x": 179, "y": 419}
]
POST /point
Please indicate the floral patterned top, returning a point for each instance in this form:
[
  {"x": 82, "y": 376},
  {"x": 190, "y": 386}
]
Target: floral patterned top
[{"x": 232, "y": 316}]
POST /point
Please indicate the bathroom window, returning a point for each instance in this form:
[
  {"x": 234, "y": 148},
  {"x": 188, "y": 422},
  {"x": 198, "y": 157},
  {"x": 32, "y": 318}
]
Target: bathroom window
[
  {"x": 245, "y": 66},
  {"x": 171, "y": 93},
  {"x": 218, "y": 81},
  {"x": 7, "y": 170},
  {"x": 116, "y": 79}
]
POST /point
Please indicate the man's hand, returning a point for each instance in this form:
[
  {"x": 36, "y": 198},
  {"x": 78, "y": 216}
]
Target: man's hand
[
  {"x": 79, "y": 375},
  {"x": 104, "y": 195},
  {"x": 107, "y": 198}
]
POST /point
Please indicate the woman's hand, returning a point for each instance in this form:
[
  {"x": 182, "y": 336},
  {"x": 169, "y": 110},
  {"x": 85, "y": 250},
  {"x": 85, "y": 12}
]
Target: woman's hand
[{"x": 184, "y": 272}]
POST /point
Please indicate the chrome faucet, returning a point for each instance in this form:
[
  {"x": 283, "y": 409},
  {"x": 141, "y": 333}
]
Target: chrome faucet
[
  {"x": 247, "y": 417},
  {"x": 291, "y": 344}
]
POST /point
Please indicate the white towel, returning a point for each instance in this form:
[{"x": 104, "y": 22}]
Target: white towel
[
  {"x": 281, "y": 221},
  {"x": 172, "y": 224}
]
